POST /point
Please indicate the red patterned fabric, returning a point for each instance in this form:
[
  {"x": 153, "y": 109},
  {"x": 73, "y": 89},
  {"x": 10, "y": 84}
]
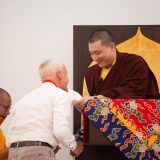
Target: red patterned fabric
[
  {"x": 144, "y": 114},
  {"x": 132, "y": 125}
]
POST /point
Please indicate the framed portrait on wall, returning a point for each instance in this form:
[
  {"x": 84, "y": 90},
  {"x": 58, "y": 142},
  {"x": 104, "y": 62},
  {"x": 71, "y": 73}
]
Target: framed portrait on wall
[{"x": 143, "y": 40}]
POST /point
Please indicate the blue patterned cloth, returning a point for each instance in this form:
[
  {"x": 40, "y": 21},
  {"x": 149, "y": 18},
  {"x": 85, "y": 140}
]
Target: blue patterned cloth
[{"x": 128, "y": 143}]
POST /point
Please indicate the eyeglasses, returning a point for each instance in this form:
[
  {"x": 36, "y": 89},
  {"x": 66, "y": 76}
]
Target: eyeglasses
[{"x": 7, "y": 108}]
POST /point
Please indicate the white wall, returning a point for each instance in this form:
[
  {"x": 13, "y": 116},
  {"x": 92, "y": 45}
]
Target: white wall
[{"x": 34, "y": 30}]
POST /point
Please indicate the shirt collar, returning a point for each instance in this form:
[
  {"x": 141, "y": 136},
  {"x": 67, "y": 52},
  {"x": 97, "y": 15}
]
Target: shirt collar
[{"x": 50, "y": 82}]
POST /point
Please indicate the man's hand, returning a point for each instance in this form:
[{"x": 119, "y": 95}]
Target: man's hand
[
  {"x": 102, "y": 97},
  {"x": 78, "y": 150},
  {"x": 79, "y": 104}
]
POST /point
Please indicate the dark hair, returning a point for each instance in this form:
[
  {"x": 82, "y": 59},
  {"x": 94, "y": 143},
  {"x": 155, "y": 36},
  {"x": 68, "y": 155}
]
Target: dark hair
[{"x": 103, "y": 35}]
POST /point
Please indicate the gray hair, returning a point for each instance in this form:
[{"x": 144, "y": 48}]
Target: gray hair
[
  {"x": 103, "y": 35},
  {"x": 49, "y": 67}
]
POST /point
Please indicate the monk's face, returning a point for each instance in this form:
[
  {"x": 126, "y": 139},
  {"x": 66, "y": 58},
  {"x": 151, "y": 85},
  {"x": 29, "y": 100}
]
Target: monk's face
[
  {"x": 104, "y": 55},
  {"x": 5, "y": 103}
]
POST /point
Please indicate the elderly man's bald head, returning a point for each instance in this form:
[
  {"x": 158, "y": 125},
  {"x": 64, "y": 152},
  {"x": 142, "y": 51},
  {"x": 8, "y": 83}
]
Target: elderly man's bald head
[
  {"x": 53, "y": 70},
  {"x": 50, "y": 67}
]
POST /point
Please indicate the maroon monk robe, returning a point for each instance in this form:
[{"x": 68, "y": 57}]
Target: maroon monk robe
[{"x": 130, "y": 77}]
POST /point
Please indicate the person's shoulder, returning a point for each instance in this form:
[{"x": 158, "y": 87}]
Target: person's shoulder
[
  {"x": 60, "y": 91},
  {"x": 50, "y": 89},
  {"x": 58, "y": 95},
  {"x": 92, "y": 69},
  {"x": 130, "y": 57},
  {"x": 74, "y": 94}
]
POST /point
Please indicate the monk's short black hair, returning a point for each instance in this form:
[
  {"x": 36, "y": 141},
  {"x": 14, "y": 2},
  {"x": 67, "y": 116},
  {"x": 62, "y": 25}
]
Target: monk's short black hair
[{"x": 104, "y": 36}]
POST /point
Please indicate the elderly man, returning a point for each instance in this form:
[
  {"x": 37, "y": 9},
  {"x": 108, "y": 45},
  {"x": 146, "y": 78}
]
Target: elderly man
[
  {"x": 5, "y": 103},
  {"x": 40, "y": 119}
]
